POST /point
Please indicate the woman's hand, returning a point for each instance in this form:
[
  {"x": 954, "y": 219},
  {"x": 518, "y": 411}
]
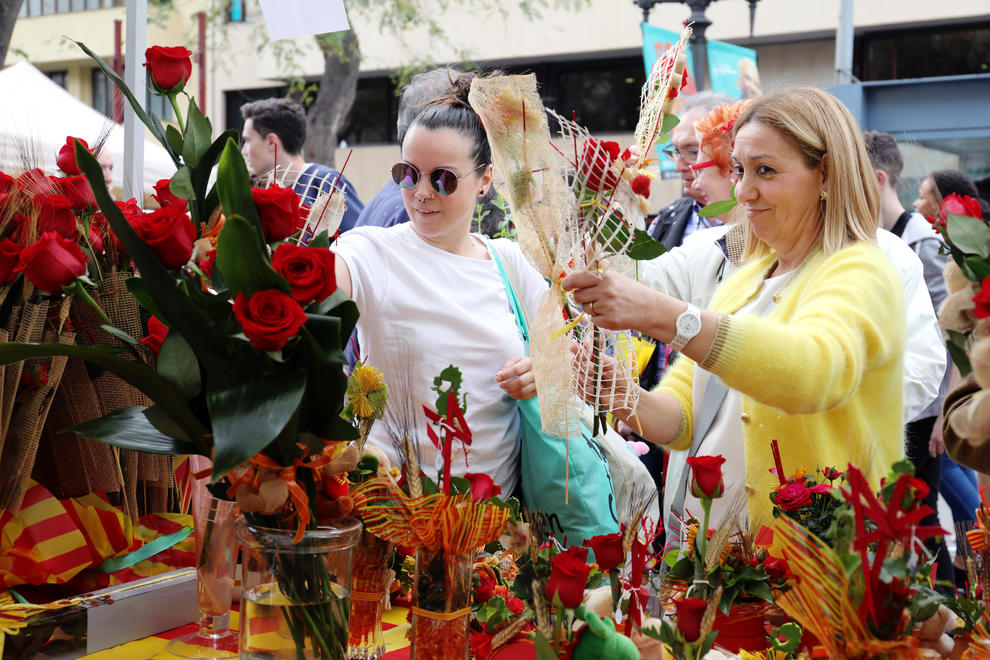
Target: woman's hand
[
  {"x": 613, "y": 301},
  {"x": 516, "y": 378}
]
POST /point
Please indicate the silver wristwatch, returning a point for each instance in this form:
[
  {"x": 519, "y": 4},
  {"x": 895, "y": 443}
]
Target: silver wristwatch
[{"x": 688, "y": 325}]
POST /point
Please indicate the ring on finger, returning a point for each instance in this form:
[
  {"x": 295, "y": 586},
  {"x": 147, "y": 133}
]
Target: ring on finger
[{"x": 591, "y": 311}]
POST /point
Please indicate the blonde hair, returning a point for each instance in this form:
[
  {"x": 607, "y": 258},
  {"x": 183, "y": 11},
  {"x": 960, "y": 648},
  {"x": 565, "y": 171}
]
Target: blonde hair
[
  {"x": 822, "y": 129},
  {"x": 715, "y": 133}
]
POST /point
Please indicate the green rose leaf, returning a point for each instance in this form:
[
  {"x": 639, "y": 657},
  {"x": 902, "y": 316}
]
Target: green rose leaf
[
  {"x": 129, "y": 428},
  {"x": 247, "y": 416},
  {"x": 174, "y": 138},
  {"x": 242, "y": 259},
  {"x": 181, "y": 184},
  {"x": 644, "y": 247},
  {"x": 969, "y": 235},
  {"x": 716, "y": 209},
  {"x": 198, "y": 136},
  {"x": 178, "y": 364}
]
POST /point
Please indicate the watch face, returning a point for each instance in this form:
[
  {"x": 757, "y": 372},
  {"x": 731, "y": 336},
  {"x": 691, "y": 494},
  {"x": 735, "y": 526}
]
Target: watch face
[{"x": 689, "y": 325}]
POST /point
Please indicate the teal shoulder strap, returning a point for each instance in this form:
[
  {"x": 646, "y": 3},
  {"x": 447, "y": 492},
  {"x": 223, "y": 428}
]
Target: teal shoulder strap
[{"x": 510, "y": 293}]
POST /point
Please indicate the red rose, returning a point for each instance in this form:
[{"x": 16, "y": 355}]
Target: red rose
[
  {"x": 596, "y": 164},
  {"x": 8, "y": 184},
  {"x": 309, "y": 271},
  {"x": 278, "y": 210},
  {"x": 52, "y": 262},
  {"x": 169, "y": 67},
  {"x": 792, "y": 496},
  {"x": 55, "y": 214},
  {"x": 831, "y": 473},
  {"x": 269, "y": 318},
  {"x": 485, "y": 589},
  {"x": 641, "y": 185},
  {"x": 206, "y": 265},
  {"x": 169, "y": 234},
  {"x": 608, "y": 550},
  {"x": 959, "y": 205},
  {"x": 33, "y": 181},
  {"x": 66, "y": 160},
  {"x": 482, "y": 486},
  {"x": 689, "y": 614},
  {"x": 77, "y": 190},
  {"x": 95, "y": 240},
  {"x": 9, "y": 253},
  {"x": 516, "y": 606},
  {"x": 130, "y": 209},
  {"x": 776, "y": 569},
  {"x": 568, "y": 576},
  {"x": 157, "y": 331},
  {"x": 163, "y": 194},
  {"x": 481, "y": 645},
  {"x": 706, "y": 476}
]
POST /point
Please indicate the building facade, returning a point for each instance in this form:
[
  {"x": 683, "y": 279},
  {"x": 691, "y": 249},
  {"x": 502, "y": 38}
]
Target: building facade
[{"x": 922, "y": 67}]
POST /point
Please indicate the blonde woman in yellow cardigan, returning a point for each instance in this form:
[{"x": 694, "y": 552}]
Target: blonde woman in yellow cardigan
[{"x": 805, "y": 342}]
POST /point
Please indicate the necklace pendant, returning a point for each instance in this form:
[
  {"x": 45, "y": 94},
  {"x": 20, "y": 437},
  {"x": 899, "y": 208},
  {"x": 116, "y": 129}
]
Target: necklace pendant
[{"x": 776, "y": 297}]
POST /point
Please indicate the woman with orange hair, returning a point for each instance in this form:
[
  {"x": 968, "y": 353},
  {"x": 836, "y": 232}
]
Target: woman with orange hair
[{"x": 713, "y": 169}]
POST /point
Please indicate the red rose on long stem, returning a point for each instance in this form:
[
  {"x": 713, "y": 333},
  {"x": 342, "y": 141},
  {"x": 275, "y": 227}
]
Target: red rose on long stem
[
  {"x": 982, "y": 300},
  {"x": 169, "y": 234},
  {"x": 568, "y": 576},
  {"x": 309, "y": 271},
  {"x": 690, "y": 611},
  {"x": 959, "y": 205},
  {"x": 77, "y": 190},
  {"x": 66, "y": 159},
  {"x": 596, "y": 164},
  {"x": 55, "y": 214},
  {"x": 483, "y": 486},
  {"x": 278, "y": 210},
  {"x": 52, "y": 262},
  {"x": 163, "y": 194},
  {"x": 169, "y": 67},
  {"x": 157, "y": 331},
  {"x": 9, "y": 254},
  {"x": 269, "y": 318},
  {"x": 706, "y": 476},
  {"x": 608, "y": 550}
]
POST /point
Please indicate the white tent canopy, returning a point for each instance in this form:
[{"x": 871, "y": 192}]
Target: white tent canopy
[{"x": 36, "y": 115}]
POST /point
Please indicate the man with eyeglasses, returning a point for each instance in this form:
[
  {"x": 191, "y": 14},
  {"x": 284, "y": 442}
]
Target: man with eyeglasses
[{"x": 679, "y": 219}]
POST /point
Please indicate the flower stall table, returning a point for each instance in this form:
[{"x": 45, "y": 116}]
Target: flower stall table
[{"x": 394, "y": 624}]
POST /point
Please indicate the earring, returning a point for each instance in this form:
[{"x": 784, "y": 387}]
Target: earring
[
  {"x": 824, "y": 196},
  {"x": 482, "y": 193}
]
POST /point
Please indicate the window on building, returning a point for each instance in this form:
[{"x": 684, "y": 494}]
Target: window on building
[
  {"x": 235, "y": 11},
  {"x": 45, "y": 7},
  {"x": 374, "y": 113},
  {"x": 60, "y": 78},
  {"x": 233, "y": 101},
  {"x": 948, "y": 50}
]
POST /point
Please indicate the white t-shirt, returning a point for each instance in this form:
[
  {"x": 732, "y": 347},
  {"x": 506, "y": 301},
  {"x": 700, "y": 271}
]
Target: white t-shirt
[{"x": 423, "y": 309}]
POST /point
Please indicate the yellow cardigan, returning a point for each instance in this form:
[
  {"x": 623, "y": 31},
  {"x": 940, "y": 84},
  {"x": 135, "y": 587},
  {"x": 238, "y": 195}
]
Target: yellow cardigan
[{"x": 821, "y": 372}]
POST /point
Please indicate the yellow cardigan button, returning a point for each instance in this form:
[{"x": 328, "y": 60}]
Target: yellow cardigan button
[{"x": 745, "y": 418}]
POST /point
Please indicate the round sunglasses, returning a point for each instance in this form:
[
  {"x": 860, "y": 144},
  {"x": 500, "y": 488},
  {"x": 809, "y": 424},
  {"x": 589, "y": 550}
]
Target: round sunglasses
[{"x": 444, "y": 181}]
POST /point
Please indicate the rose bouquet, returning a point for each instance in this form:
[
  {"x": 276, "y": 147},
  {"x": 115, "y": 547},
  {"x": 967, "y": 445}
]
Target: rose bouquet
[{"x": 247, "y": 350}]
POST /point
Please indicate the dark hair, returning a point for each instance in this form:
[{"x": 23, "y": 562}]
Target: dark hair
[
  {"x": 283, "y": 117},
  {"x": 884, "y": 154},
  {"x": 953, "y": 181},
  {"x": 422, "y": 88},
  {"x": 452, "y": 110}
]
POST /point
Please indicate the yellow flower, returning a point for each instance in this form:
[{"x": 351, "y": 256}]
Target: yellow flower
[{"x": 366, "y": 393}]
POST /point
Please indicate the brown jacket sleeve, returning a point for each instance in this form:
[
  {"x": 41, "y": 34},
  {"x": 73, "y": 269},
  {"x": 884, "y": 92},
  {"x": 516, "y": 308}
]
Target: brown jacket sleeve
[{"x": 972, "y": 452}]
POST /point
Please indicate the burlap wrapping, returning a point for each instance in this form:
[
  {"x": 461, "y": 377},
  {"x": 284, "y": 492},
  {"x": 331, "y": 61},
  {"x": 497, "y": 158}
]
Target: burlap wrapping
[
  {"x": 25, "y": 413},
  {"x": 73, "y": 465}
]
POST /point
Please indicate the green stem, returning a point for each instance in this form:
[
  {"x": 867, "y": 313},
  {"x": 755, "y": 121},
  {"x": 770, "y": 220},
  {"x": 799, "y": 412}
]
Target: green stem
[
  {"x": 701, "y": 540},
  {"x": 178, "y": 114},
  {"x": 613, "y": 578}
]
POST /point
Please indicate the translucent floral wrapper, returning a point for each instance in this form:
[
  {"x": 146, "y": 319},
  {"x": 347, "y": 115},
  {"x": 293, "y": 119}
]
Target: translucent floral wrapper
[
  {"x": 441, "y": 605},
  {"x": 369, "y": 585}
]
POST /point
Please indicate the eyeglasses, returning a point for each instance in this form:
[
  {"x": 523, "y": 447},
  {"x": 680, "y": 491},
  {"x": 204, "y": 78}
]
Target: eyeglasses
[
  {"x": 697, "y": 167},
  {"x": 689, "y": 155},
  {"x": 444, "y": 181}
]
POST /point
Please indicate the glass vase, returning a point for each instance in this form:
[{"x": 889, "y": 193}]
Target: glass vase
[
  {"x": 369, "y": 585},
  {"x": 295, "y": 595},
  {"x": 216, "y": 561},
  {"x": 441, "y": 605}
]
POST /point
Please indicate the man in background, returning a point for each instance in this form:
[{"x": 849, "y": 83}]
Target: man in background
[{"x": 272, "y": 139}]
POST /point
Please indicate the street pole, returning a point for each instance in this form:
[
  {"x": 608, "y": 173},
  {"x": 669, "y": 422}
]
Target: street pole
[
  {"x": 844, "y": 36},
  {"x": 134, "y": 73}
]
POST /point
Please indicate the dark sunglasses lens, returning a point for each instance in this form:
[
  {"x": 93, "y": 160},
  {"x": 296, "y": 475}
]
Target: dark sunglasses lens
[
  {"x": 405, "y": 175},
  {"x": 444, "y": 181}
]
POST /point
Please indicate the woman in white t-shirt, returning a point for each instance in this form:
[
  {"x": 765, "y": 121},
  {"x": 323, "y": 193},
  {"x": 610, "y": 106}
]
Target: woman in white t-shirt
[{"x": 431, "y": 296}]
